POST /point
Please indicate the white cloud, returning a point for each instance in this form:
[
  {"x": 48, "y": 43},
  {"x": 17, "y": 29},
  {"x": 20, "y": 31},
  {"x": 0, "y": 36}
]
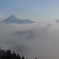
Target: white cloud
[
  {"x": 20, "y": 17},
  {"x": 32, "y": 40}
]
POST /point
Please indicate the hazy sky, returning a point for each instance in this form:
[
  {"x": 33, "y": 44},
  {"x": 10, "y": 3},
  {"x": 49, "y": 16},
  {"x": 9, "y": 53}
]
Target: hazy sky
[{"x": 31, "y": 9}]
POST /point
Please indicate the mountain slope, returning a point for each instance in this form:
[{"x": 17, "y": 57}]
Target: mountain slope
[{"x": 14, "y": 19}]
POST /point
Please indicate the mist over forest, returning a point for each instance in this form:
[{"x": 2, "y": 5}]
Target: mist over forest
[{"x": 31, "y": 40}]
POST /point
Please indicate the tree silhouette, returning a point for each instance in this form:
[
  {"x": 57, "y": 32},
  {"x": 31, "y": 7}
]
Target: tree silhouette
[
  {"x": 10, "y": 55},
  {"x": 23, "y": 57}
]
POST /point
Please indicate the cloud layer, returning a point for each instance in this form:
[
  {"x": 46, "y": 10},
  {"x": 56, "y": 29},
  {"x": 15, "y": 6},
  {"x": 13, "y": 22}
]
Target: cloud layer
[{"x": 31, "y": 40}]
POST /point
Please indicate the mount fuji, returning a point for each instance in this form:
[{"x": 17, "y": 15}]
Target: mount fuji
[{"x": 15, "y": 20}]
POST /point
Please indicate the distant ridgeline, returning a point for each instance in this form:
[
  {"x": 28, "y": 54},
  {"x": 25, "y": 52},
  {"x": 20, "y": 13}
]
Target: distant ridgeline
[{"x": 10, "y": 55}]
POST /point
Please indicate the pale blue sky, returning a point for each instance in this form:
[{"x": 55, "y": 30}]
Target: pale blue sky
[{"x": 31, "y": 9}]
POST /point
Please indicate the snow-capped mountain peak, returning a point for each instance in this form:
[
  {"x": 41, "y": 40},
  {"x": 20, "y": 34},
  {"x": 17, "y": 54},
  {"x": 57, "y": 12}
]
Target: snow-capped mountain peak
[{"x": 14, "y": 19}]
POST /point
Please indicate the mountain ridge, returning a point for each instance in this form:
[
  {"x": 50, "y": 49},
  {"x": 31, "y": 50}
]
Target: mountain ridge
[{"x": 14, "y": 19}]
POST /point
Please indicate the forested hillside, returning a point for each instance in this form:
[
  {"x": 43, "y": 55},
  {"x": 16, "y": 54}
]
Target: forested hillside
[{"x": 9, "y": 55}]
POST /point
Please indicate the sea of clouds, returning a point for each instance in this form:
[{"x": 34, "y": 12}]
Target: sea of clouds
[{"x": 39, "y": 40}]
